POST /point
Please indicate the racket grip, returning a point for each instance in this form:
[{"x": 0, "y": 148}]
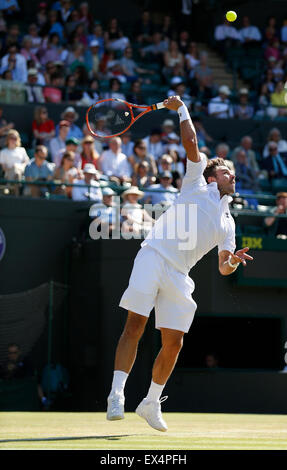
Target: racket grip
[{"x": 160, "y": 105}]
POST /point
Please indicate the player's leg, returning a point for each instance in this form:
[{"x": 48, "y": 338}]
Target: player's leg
[
  {"x": 172, "y": 342},
  {"x": 139, "y": 297},
  {"x": 149, "y": 408},
  {"x": 124, "y": 359},
  {"x": 174, "y": 312}
]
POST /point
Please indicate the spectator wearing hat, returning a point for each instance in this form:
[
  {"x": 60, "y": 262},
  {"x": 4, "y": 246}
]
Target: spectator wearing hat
[
  {"x": 70, "y": 115},
  {"x": 43, "y": 127},
  {"x": 276, "y": 225},
  {"x": 34, "y": 93},
  {"x": 106, "y": 214},
  {"x": 72, "y": 145},
  {"x": 89, "y": 153},
  {"x": 243, "y": 110},
  {"x": 92, "y": 58},
  {"x": 140, "y": 154},
  {"x": 173, "y": 143},
  {"x": 220, "y": 106},
  {"x": 154, "y": 143},
  {"x": 135, "y": 219},
  {"x": 114, "y": 163},
  {"x": 39, "y": 170},
  {"x": 87, "y": 188},
  {"x": 163, "y": 192},
  {"x": 58, "y": 143}
]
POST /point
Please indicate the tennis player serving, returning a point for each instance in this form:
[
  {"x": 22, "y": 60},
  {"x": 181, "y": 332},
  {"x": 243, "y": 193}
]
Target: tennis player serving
[{"x": 160, "y": 279}]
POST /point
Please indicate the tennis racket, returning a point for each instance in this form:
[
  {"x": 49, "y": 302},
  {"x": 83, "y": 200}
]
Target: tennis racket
[{"x": 112, "y": 117}]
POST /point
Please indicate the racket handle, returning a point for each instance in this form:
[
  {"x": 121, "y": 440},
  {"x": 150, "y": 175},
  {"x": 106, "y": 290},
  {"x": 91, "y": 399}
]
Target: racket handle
[{"x": 159, "y": 105}]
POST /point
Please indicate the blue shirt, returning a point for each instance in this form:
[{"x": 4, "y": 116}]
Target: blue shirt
[
  {"x": 74, "y": 131},
  {"x": 36, "y": 172}
]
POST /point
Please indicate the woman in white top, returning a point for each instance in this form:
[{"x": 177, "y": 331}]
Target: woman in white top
[
  {"x": 13, "y": 157},
  {"x": 135, "y": 218}
]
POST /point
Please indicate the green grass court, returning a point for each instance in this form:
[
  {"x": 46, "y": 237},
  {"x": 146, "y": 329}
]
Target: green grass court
[{"x": 187, "y": 431}]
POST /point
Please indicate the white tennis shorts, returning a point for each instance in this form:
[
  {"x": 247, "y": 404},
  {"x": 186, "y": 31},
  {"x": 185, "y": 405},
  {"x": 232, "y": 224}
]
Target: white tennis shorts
[{"x": 155, "y": 283}]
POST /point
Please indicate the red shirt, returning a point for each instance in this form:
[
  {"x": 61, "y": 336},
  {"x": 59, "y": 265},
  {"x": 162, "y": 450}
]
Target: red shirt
[
  {"x": 47, "y": 126},
  {"x": 53, "y": 95}
]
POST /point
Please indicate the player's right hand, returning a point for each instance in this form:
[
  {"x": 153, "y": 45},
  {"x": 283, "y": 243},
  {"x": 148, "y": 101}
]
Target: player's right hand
[{"x": 173, "y": 103}]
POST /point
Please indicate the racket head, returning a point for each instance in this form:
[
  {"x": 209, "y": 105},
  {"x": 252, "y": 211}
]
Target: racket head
[{"x": 109, "y": 118}]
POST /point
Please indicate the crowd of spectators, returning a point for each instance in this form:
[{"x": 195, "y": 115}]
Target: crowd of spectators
[
  {"x": 265, "y": 51},
  {"x": 65, "y": 54}
]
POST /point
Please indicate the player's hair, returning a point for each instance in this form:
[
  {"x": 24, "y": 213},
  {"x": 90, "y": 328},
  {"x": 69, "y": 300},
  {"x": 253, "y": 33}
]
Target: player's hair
[{"x": 211, "y": 166}]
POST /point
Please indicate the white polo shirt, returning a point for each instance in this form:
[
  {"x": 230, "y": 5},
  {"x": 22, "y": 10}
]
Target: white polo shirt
[{"x": 210, "y": 226}]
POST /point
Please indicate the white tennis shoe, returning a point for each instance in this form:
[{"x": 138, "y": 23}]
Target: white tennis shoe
[
  {"x": 116, "y": 403},
  {"x": 151, "y": 412}
]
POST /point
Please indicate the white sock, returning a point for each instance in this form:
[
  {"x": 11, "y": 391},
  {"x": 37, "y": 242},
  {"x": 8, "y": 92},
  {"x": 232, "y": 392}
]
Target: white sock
[
  {"x": 119, "y": 381},
  {"x": 154, "y": 392}
]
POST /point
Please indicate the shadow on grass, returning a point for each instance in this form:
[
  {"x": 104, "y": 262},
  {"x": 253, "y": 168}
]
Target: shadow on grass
[{"x": 73, "y": 438}]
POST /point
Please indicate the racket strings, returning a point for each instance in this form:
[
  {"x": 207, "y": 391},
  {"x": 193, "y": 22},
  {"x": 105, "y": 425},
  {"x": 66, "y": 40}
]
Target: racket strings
[{"x": 109, "y": 118}]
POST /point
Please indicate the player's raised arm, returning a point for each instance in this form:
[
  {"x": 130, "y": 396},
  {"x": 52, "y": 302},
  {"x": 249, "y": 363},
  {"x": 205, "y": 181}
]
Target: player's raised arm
[{"x": 187, "y": 129}]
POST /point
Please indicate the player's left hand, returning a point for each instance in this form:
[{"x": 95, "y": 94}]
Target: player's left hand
[{"x": 240, "y": 256}]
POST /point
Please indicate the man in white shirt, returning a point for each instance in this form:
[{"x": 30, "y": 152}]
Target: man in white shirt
[
  {"x": 114, "y": 163},
  {"x": 160, "y": 273},
  {"x": 89, "y": 188},
  {"x": 220, "y": 106},
  {"x": 249, "y": 35},
  {"x": 225, "y": 36}
]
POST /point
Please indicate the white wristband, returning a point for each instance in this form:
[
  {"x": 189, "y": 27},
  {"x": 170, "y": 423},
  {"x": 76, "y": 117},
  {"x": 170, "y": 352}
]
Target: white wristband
[
  {"x": 230, "y": 264},
  {"x": 183, "y": 113}
]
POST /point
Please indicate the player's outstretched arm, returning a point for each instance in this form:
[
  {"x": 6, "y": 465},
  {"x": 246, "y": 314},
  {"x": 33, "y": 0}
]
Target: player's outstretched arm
[
  {"x": 187, "y": 129},
  {"x": 229, "y": 262}
]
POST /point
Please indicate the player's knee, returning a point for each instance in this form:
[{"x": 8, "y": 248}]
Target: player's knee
[
  {"x": 135, "y": 327},
  {"x": 174, "y": 344}
]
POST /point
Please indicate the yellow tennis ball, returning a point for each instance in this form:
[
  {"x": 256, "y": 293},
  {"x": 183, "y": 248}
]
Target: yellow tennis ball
[{"x": 231, "y": 16}]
